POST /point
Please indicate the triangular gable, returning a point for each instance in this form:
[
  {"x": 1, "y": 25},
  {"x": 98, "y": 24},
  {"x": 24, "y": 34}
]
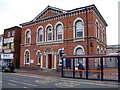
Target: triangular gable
[{"x": 49, "y": 11}]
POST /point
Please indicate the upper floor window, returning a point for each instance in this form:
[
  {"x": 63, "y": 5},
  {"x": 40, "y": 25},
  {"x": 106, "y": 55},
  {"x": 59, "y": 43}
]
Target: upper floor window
[
  {"x": 97, "y": 30},
  {"x": 59, "y": 32},
  {"x": 28, "y": 37},
  {"x": 8, "y": 35},
  {"x": 40, "y": 35},
  {"x": 13, "y": 33},
  {"x": 49, "y": 33},
  {"x": 79, "y": 29}
]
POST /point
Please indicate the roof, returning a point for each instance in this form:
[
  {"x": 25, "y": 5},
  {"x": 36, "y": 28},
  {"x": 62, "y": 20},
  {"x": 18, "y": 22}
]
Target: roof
[
  {"x": 113, "y": 46},
  {"x": 92, "y": 56},
  {"x": 11, "y": 28},
  {"x": 61, "y": 11}
]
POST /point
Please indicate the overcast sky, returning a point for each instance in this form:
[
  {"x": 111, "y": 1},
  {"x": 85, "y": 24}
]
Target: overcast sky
[{"x": 15, "y": 12}]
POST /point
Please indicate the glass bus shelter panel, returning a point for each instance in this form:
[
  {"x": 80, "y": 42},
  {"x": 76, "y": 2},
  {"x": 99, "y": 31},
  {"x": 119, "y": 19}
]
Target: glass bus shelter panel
[
  {"x": 68, "y": 67},
  {"x": 94, "y": 71},
  {"x": 110, "y": 71}
]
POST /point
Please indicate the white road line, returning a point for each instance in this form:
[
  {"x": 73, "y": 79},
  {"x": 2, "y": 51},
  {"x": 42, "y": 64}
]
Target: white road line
[
  {"x": 12, "y": 84},
  {"x": 25, "y": 87},
  {"x": 23, "y": 83},
  {"x": 62, "y": 79}
]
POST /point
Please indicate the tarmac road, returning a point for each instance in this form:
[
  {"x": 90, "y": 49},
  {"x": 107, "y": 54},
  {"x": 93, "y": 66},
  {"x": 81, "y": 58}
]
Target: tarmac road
[{"x": 25, "y": 80}]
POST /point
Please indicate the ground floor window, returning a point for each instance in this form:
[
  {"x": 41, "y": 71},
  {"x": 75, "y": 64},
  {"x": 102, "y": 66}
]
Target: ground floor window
[{"x": 27, "y": 57}]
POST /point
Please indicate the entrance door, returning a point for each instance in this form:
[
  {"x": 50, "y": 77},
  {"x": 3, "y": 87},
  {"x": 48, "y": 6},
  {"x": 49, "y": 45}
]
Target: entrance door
[{"x": 49, "y": 61}]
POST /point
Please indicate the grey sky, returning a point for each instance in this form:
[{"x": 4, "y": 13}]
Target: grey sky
[{"x": 15, "y": 12}]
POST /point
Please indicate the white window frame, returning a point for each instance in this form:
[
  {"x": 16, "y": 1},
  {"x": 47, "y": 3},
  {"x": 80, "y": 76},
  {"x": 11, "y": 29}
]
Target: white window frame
[
  {"x": 25, "y": 62},
  {"x": 97, "y": 28},
  {"x": 56, "y": 33},
  {"x": 38, "y": 35},
  {"x": 75, "y": 49},
  {"x": 74, "y": 27},
  {"x": 46, "y": 32},
  {"x": 28, "y": 30},
  {"x": 38, "y": 62}
]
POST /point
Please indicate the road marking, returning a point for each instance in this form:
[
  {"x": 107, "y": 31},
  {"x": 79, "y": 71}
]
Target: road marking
[
  {"x": 77, "y": 81},
  {"x": 12, "y": 84},
  {"x": 25, "y": 87},
  {"x": 23, "y": 83}
]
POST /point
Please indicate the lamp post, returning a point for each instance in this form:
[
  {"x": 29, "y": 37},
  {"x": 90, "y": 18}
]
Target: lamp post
[{"x": 61, "y": 54}]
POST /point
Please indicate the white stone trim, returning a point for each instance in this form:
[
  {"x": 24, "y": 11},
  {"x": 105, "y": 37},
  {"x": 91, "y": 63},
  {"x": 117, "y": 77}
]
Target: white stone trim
[
  {"x": 74, "y": 31},
  {"x": 25, "y": 57},
  {"x": 37, "y": 33},
  {"x": 41, "y": 61},
  {"x": 46, "y": 38},
  {"x": 27, "y": 30},
  {"x": 55, "y": 34},
  {"x": 79, "y": 46}
]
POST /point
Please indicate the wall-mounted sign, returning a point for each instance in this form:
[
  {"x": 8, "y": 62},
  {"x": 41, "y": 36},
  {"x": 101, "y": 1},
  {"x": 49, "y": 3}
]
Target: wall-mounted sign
[
  {"x": 12, "y": 45},
  {"x": 5, "y": 47},
  {"x": 31, "y": 61},
  {"x": 8, "y": 45},
  {"x": 7, "y": 51},
  {"x": 7, "y": 56},
  {"x": 9, "y": 40}
]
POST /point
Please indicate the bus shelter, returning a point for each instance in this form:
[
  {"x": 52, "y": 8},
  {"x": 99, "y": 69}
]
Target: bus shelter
[{"x": 94, "y": 67}]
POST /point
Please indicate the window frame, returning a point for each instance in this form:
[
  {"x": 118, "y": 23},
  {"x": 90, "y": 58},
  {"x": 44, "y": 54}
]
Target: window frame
[
  {"x": 28, "y": 31},
  {"x": 74, "y": 29},
  {"x": 27, "y": 57}
]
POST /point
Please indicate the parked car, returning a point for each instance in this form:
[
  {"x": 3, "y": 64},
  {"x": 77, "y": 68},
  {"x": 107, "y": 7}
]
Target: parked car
[{"x": 7, "y": 66}]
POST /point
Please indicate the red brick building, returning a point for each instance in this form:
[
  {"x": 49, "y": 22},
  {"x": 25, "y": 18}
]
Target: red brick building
[
  {"x": 78, "y": 31},
  {"x": 11, "y": 45}
]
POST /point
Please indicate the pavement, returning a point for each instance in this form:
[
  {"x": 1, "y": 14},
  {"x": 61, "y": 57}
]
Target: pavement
[{"x": 39, "y": 72}]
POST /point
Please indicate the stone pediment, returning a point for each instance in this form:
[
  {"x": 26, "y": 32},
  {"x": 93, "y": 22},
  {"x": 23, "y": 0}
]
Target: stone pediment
[{"x": 47, "y": 12}]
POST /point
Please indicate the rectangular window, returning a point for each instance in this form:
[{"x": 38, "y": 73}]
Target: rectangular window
[
  {"x": 13, "y": 33},
  {"x": 8, "y": 34}
]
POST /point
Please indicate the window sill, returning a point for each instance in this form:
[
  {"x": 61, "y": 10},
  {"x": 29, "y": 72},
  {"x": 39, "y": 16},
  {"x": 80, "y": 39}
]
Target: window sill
[
  {"x": 50, "y": 42},
  {"x": 79, "y": 39}
]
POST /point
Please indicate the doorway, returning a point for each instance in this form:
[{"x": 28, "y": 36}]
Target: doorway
[{"x": 49, "y": 61}]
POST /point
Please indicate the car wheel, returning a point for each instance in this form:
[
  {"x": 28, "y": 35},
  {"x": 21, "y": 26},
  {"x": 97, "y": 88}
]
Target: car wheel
[{"x": 3, "y": 70}]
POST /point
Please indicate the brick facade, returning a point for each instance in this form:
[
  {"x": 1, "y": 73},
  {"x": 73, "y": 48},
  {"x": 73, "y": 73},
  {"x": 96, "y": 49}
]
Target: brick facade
[
  {"x": 49, "y": 50},
  {"x": 11, "y": 45}
]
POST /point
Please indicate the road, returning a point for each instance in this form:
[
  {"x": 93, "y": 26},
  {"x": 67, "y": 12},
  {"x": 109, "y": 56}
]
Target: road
[{"x": 20, "y": 80}]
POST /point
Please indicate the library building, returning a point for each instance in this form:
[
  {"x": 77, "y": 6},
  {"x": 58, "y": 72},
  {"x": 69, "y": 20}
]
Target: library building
[{"x": 77, "y": 32}]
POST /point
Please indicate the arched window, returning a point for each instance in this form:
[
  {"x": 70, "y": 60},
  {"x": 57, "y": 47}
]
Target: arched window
[
  {"x": 97, "y": 30},
  {"x": 59, "y": 30},
  {"x": 49, "y": 33},
  {"x": 28, "y": 37},
  {"x": 27, "y": 57},
  {"x": 40, "y": 35},
  {"x": 79, "y": 51},
  {"x": 79, "y": 29}
]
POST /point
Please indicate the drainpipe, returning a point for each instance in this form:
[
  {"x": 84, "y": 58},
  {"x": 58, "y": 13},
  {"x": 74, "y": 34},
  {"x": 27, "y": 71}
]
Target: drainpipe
[{"x": 87, "y": 59}]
